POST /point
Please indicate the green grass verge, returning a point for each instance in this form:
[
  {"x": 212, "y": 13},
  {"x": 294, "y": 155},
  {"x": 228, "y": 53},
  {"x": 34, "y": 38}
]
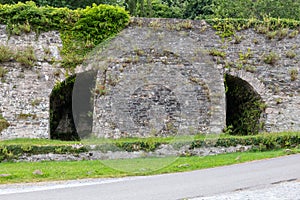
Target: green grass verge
[
  {"x": 12, "y": 149},
  {"x": 165, "y": 140},
  {"x": 23, "y": 171}
]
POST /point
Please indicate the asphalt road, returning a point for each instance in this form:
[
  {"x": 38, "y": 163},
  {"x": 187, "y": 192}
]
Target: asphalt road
[{"x": 170, "y": 186}]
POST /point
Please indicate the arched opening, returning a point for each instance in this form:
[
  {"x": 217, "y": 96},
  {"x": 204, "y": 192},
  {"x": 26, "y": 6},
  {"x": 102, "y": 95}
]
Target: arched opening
[
  {"x": 244, "y": 107},
  {"x": 62, "y": 124},
  {"x": 71, "y": 107}
]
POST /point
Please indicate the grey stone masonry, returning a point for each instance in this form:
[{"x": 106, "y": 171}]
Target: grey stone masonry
[
  {"x": 157, "y": 77},
  {"x": 25, "y": 91}
]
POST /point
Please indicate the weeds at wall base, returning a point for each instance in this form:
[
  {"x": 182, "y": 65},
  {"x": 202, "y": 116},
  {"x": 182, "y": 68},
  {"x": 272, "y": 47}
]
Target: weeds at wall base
[{"x": 262, "y": 142}]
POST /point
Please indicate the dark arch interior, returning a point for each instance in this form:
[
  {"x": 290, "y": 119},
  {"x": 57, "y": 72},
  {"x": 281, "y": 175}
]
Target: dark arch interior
[
  {"x": 243, "y": 107},
  {"x": 71, "y": 107}
]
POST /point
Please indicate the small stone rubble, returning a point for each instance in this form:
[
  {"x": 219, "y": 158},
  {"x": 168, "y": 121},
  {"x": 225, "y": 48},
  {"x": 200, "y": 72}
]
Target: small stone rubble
[{"x": 162, "y": 151}]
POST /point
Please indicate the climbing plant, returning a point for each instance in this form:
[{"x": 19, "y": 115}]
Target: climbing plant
[{"x": 80, "y": 29}]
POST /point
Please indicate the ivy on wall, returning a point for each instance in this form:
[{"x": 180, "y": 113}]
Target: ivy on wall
[{"x": 80, "y": 29}]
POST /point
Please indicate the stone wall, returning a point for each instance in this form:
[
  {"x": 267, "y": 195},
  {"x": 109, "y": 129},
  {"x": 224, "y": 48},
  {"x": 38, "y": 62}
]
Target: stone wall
[
  {"x": 141, "y": 60},
  {"x": 158, "y": 77},
  {"x": 24, "y": 90}
]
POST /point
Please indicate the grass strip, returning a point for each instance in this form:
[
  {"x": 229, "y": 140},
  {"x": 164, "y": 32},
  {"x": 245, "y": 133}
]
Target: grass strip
[
  {"x": 50, "y": 171},
  {"x": 10, "y": 149}
]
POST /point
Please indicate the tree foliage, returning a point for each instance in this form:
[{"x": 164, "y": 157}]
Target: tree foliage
[
  {"x": 203, "y": 9},
  {"x": 72, "y": 4},
  {"x": 189, "y": 9},
  {"x": 256, "y": 9}
]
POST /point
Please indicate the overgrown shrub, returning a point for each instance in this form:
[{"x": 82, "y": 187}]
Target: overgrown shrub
[
  {"x": 72, "y": 4},
  {"x": 80, "y": 29}
]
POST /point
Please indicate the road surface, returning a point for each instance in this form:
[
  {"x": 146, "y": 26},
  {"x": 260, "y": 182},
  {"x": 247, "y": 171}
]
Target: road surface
[{"x": 176, "y": 186}]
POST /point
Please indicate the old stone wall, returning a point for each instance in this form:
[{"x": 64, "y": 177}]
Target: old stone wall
[
  {"x": 25, "y": 90},
  {"x": 141, "y": 60},
  {"x": 158, "y": 77},
  {"x": 277, "y": 83},
  {"x": 135, "y": 71}
]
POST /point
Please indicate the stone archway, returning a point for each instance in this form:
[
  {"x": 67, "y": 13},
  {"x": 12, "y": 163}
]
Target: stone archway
[
  {"x": 71, "y": 107},
  {"x": 244, "y": 107},
  {"x": 61, "y": 116}
]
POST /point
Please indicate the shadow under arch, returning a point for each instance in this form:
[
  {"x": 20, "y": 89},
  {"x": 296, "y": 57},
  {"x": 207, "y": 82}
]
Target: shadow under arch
[
  {"x": 244, "y": 107},
  {"x": 71, "y": 107}
]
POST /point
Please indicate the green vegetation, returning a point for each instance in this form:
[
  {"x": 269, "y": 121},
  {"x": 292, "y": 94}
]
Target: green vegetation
[
  {"x": 244, "y": 57},
  {"x": 10, "y": 149},
  {"x": 216, "y": 52},
  {"x": 26, "y": 57},
  {"x": 294, "y": 74},
  {"x": 72, "y": 4},
  {"x": 80, "y": 29},
  {"x": 244, "y": 105},
  {"x": 209, "y": 9},
  {"x": 37, "y": 142},
  {"x": 5, "y": 53},
  {"x": 256, "y": 9},
  {"x": 293, "y": 34},
  {"x": 24, "y": 171},
  {"x": 3, "y": 124},
  {"x": 271, "y": 58},
  {"x": 290, "y": 54},
  {"x": 25, "y": 116},
  {"x": 190, "y": 9},
  {"x": 9, "y": 152},
  {"x": 84, "y": 28},
  {"x": 266, "y": 146},
  {"x": 269, "y": 26}
]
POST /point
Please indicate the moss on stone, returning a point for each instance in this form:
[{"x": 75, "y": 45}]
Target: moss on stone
[{"x": 3, "y": 123}]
